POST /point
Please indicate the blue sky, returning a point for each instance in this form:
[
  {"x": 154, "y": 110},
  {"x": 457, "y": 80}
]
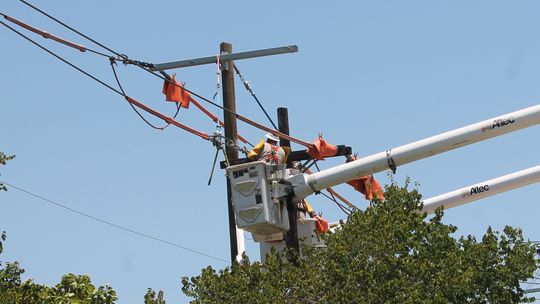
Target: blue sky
[{"x": 371, "y": 75}]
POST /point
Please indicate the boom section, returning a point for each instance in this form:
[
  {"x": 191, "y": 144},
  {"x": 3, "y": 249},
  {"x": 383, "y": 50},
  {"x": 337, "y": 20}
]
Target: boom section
[
  {"x": 483, "y": 189},
  {"x": 304, "y": 185}
]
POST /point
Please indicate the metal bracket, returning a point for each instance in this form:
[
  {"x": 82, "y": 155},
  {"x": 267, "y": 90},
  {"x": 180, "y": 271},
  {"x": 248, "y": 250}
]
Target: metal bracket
[
  {"x": 280, "y": 190},
  {"x": 224, "y": 63},
  {"x": 390, "y": 161}
]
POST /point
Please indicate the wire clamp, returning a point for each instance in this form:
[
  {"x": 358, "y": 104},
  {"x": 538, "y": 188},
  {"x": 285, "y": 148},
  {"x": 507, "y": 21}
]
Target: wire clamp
[
  {"x": 125, "y": 60},
  {"x": 390, "y": 161}
]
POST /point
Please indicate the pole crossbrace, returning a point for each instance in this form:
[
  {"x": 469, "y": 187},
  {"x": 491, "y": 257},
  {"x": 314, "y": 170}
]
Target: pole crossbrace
[{"x": 224, "y": 57}]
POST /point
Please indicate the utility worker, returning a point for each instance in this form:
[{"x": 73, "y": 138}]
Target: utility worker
[
  {"x": 304, "y": 207},
  {"x": 269, "y": 151}
]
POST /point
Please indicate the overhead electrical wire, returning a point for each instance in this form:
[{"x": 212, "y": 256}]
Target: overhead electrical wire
[
  {"x": 83, "y": 48},
  {"x": 113, "y": 63},
  {"x": 70, "y": 28},
  {"x": 343, "y": 208},
  {"x": 59, "y": 57},
  {"x": 48, "y": 35},
  {"x": 122, "y": 92},
  {"x": 332, "y": 196},
  {"x": 250, "y": 90},
  {"x": 145, "y": 66},
  {"x": 134, "y": 102},
  {"x": 111, "y": 224},
  {"x": 128, "y": 98}
]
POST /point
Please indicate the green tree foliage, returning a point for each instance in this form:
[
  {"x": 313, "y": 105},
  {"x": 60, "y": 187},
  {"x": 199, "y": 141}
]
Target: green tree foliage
[
  {"x": 390, "y": 253},
  {"x": 152, "y": 298},
  {"x": 72, "y": 289},
  {"x": 3, "y": 161}
]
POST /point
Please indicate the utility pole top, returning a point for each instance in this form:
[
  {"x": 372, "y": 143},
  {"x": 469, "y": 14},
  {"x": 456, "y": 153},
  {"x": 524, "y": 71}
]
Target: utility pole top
[{"x": 225, "y": 57}]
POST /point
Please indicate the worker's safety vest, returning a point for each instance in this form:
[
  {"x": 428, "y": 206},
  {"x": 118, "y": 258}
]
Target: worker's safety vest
[{"x": 272, "y": 154}]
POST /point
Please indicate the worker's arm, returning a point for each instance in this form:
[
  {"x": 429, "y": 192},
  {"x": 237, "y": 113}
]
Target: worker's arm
[
  {"x": 287, "y": 151},
  {"x": 309, "y": 209},
  {"x": 256, "y": 151},
  {"x": 321, "y": 224}
]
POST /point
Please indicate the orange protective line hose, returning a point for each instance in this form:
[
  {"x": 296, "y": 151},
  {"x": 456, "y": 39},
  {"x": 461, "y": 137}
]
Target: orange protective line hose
[
  {"x": 275, "y": 132},
  {"x": 214, "y": 117},
  {"x": 205, "y": 111},
  {"x": 46, "y": 35},
  {"x": 341, "y": 198},
  {"x": 167, "y": 119}
]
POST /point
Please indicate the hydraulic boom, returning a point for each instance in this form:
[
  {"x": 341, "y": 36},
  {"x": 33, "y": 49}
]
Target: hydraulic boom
[
  {"x": 260, "y": 191},
  {"x": 305, "y": 185},
  {"x": 483, "y": 189}
]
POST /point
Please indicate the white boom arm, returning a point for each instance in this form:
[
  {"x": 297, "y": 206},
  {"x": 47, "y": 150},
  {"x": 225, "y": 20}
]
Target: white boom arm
[
  {"x": 483, "y": 189},
  {"x": 261, "y": 191},
  {"x": 305, "y": 185}
]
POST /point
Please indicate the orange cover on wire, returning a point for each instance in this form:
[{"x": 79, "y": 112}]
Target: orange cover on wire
[
  {"x": 321, "y": 224},
  {"x": 368, "y": 186},
  {"x": 321, "y": 149},
  {"x": 175, "y": 92}
]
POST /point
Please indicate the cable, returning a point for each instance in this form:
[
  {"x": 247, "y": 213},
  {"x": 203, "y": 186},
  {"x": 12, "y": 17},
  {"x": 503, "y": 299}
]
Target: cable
[
  {"x": 113, "y": 224},
  {"x": 98, "y": 53},
  {"x": 145, "y": 67},
  {"x": 341, "y": 198},
  {"x": 47, "y": 35},
  {"x": 113, "y": 62},
  {"x": 347, "y": 212},
  {"x": 334, "y": 194},
  {"x": 335, "y": 200},
  {"x": 129, "y": 99},
  {"x": 83, "y": 49},
  {"x": 215, "y": 119},
  {"x": 61, "y": 59},
  {"x": 250, "y": 90},
  {"x": 70, "y": 28}
]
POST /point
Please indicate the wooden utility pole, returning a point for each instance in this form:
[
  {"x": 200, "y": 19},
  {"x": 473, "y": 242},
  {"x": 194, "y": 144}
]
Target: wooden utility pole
[
  {"x": 291, "y": 238},
  {"x": 231, "y": 132}
]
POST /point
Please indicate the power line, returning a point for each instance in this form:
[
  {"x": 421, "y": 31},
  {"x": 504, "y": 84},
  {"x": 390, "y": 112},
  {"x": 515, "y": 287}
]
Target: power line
[
  {"x": 113, "y": 63},
  {"x": 70, "y": 28},
  {"x": 61, "y": 58},
  {"x": 130, "y": 100},
  {"x": 250, "y": 90},
  {"x": 113, "y": 224},
  {"x": 123, "y": 56},
  {"x": 343, "y": 208},
  {"x": 47, "y": 35},
  {"x": 331, "y": 197},
  {"x": 144, "y": 66}
]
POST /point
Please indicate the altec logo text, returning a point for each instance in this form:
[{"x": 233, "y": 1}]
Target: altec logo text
[
  {"x": 501, "y": 122},
  {"x": 475, "y": 190}
]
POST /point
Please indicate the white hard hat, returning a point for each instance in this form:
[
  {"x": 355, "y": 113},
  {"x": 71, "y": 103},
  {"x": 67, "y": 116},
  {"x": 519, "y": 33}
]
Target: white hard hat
[{"x": 272, "y": 137}]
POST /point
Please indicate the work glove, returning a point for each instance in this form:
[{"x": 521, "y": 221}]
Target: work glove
[{"x": 321, "y": 224}]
